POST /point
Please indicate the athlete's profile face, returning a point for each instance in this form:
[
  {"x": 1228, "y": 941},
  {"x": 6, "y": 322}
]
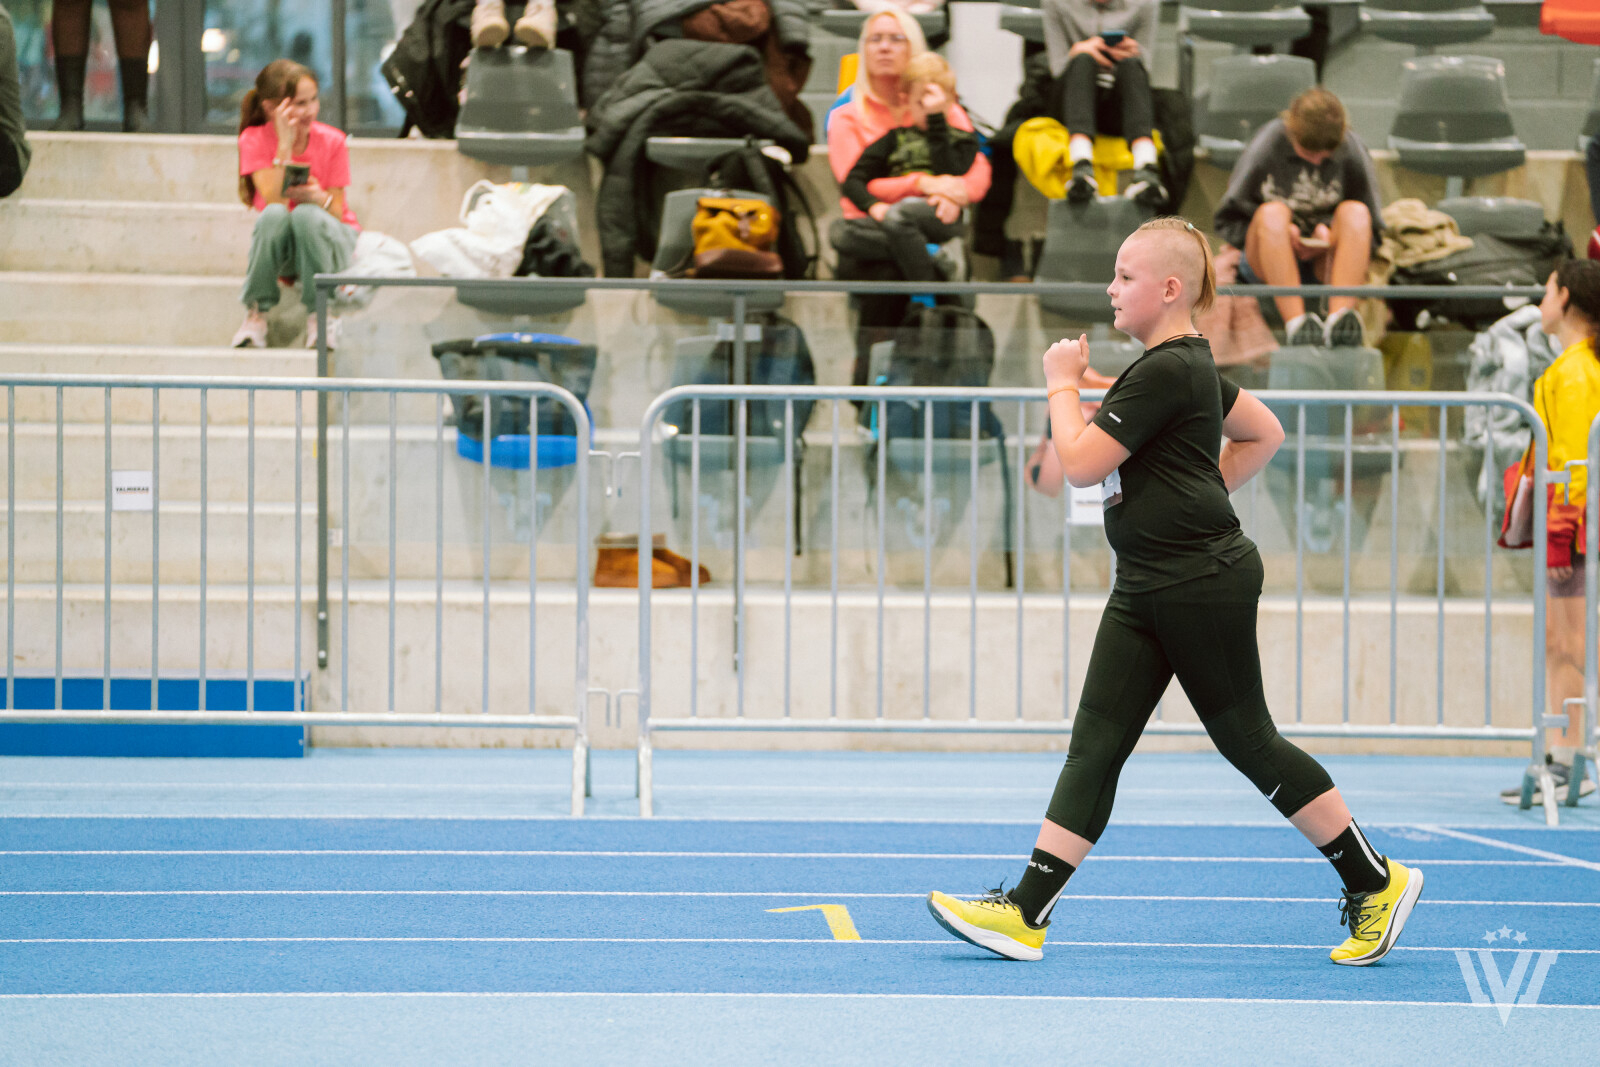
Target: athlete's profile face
[{"x": 1138, "y": 288}]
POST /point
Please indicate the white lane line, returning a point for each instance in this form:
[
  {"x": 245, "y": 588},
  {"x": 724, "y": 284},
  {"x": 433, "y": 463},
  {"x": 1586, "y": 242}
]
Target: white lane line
[
  {"x": 614, "y": 853},
  {"x": 715, "y": 893},
  {"x": 704, "y": 941},
  {"x": 1569, "y": 861},
  {"x": 804, "y": 996}
]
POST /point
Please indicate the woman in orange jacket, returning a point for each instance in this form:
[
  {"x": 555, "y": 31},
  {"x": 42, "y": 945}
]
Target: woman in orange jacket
[{"x": 1567, "y": 398}]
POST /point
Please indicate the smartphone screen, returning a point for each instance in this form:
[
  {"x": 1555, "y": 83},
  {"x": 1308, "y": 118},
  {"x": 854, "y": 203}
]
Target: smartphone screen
[
  {"x": 295, "y": 174},
  {"x": 1112, "y": 38}
]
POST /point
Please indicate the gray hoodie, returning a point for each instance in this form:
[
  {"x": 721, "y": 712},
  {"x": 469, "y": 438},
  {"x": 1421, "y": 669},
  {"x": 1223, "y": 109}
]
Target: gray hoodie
[{"x": 1066, "y": 22}]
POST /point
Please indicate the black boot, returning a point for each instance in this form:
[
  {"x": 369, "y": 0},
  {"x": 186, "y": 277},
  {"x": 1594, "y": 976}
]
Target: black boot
[
  {"x": 135, "y": 74},
  {"x": 69, "y": 87}
]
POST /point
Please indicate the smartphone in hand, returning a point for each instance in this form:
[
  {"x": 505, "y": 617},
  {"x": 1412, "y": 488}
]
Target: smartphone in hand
[
  {"x": 1314, "y": 242},
  {"x": 1112, "y": 38},
  {"x": 295, "y": 174}
]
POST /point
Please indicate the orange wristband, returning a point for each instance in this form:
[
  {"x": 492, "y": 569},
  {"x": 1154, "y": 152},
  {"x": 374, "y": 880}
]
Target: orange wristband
[{"x": 1062, "y": 389}]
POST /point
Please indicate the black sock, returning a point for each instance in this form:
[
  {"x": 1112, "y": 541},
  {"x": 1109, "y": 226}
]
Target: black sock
[
  {"x": 1358, "y": 863},
  {"x": 1041, "y": 884}
]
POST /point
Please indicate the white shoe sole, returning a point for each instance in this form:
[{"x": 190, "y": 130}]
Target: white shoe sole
[
  {"x": 1402, "y": 912},
  {"x": 999, "y": 944}
]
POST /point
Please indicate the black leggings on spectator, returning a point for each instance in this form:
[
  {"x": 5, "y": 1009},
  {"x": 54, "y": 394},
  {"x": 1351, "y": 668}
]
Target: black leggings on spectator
[
  {"x": 902, "y": 238},
  {"x": 1204, "y": 631},
  {"x": 1123, "y": 109}
]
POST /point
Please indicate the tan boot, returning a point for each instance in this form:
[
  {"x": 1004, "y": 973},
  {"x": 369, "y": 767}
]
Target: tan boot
[
  {"x": 489, "y": 26},
  {"x": 537, "y": 26},
  {"x": 616, "y": 564},
  {"x": 680, "y": 566}
]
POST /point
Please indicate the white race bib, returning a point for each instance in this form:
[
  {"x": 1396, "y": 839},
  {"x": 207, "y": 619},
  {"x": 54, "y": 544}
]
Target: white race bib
[{"x": 1111, "y": 489}]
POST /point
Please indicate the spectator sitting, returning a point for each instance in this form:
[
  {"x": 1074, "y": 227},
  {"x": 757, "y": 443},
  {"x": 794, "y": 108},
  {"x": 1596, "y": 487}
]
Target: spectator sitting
[
  {"x": 14, "y": 153},
  {"x": 306, "y": 227},
  {"x": 1303, "y": 205},
  {"x": 1100, "y": 58},
  {"x": 535, "y": 27},
  {"x": 929, "y": 146}
]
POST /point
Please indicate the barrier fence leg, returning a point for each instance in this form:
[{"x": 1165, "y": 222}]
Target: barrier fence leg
[
  {"x": 580, "y": 771},
  {"x": 643, "y": 784}
]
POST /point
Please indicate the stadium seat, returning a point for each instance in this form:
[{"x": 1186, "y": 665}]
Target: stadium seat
[
  {"x": 1591, "y": 121},
  {"x": 1245, "y": 23},
  {"x": 1454, "y": 119},
  {"x": 521, "y": 108},
  {"x": 535, "y": 300},
  {"x": 1495, "y": 216},
  {"x": 1246, "y": 93},
  {"x": 692, "y": 154},
  {"x": 675, "y": 246},
  {"x": 1023, "y": 18},
  {"x": 1427, "y": 23},
  {"x": 847, "y": 22},
  {"x": 1080, "y": 245},
  {"x": 1576, "y": 20}
]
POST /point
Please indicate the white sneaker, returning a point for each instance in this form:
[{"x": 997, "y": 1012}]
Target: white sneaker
[
  {"x": 252, "y": 333},
  {"x": 333, "y": 332},
  {"x": 537, "y": 26}
]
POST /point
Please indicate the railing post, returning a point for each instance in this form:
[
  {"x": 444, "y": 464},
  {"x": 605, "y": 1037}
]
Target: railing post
[{"x": 322, "y": 478}]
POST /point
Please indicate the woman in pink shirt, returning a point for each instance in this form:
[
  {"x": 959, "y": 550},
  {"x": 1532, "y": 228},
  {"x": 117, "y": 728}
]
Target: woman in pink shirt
[
  {"x": 877, "y": 105},
  {"x": 304, "y": 228}
]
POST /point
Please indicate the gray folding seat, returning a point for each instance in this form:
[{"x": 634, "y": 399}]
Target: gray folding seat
[
  {"x": 1080, "y": 245},
  {"x": 521, "y": 108},
  {"x": 1023, "y": 18},
  {"x": 1427, "y": 23},
  {"x": 1455, "y": 119},
  {"x": 1246, "y": 93},
  {"x": 1495, "y": 216},
  {"x": 1244, "y": 23}
]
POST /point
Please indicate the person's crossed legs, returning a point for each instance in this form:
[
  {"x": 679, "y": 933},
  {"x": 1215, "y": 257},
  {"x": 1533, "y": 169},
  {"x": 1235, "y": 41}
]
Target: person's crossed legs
[{"x": 1274, "y": 254}]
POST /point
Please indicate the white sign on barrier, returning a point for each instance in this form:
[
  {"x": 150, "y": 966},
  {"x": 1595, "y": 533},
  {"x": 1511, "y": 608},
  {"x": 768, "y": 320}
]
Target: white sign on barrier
[
  {"x": 1086, "y": 507},
  {"x": 131, "y": 491}
]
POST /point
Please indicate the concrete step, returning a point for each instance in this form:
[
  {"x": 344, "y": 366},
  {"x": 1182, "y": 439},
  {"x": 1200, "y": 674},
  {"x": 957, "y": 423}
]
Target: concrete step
[
  {"x": 145, "y": 237},
  {"x": 1005, "y": 630},
  {"x": 404, "y": 188}
]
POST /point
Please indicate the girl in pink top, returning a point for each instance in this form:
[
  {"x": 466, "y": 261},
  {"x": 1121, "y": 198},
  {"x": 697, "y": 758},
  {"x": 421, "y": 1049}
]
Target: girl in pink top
[{"x": 304, "y": 228}]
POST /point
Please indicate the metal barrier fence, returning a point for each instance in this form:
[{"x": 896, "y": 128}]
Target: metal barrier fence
[
  {"x": 1588, "y": 705},
  {"x": 141, "y": 426},
  {"x": 822, "y": 609}
]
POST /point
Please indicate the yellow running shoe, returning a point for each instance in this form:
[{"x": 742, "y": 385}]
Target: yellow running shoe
[
  {"x": 992, "y": 922},
  {"x": 1376, "y": 919}
]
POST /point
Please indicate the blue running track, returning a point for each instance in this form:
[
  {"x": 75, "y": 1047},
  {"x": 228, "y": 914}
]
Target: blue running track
[{"x": 170, "y": 937}]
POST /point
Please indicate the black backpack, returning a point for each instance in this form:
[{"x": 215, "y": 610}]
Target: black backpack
[
  {"x": 424, "y": 70},
  {"x": 749, "y": 168},
  {"x": 1492, "y": 260},
  {"x": 782, "y": 357}
]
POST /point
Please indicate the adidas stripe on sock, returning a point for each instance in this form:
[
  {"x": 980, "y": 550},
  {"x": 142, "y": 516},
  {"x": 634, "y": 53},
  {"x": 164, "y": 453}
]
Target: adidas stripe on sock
[
  {"x": 1358, "y": 863},
  {"x": 1041, "y": 886}
]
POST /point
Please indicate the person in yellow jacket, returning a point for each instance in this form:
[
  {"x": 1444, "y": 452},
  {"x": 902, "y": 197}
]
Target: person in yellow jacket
[{"x": 1567, "y": 398}]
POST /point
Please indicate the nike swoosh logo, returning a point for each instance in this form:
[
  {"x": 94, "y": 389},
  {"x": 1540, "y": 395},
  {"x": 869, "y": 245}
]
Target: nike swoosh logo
[{"x": 1274, "y": 790}]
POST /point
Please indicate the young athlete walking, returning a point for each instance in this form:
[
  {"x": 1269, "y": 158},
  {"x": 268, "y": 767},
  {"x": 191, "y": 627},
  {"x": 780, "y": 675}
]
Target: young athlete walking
[{"x": 1188, "y": 583}]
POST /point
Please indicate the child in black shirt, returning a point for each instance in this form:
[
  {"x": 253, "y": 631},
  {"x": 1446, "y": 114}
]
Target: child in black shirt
[
  {"x": 1185, "y": 603},
  {"x": 931, "y": 146}
]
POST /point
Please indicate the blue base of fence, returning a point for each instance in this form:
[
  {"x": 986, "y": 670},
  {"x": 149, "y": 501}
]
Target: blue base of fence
[{"x": 154, "y": 739}]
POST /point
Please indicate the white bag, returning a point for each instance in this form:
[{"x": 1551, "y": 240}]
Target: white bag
[
  {"x": 495, "y": 224},
  {"x": 377, "y": 255}
]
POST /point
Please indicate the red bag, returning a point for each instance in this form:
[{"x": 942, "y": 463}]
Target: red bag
[
  {"x": 1576, "y": 20},
  {"x": 1516, "y": 527}
]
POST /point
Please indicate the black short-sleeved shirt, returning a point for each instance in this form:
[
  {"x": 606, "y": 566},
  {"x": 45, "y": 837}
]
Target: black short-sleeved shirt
[{"x": 1167, "y": 511}]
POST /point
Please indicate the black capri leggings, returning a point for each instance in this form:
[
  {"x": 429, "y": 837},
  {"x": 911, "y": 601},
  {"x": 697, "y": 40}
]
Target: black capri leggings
[{"x": 1204, "y": 631}]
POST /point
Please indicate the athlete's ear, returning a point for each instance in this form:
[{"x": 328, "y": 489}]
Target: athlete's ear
[{"x": 1172, "y": 289}]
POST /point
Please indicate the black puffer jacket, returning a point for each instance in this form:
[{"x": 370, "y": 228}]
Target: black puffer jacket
[{"x": 679, "y": 89}]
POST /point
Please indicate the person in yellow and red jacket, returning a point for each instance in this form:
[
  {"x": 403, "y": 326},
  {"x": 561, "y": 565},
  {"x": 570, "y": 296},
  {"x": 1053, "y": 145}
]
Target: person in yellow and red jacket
[{"x": 1567, "y": 398}]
